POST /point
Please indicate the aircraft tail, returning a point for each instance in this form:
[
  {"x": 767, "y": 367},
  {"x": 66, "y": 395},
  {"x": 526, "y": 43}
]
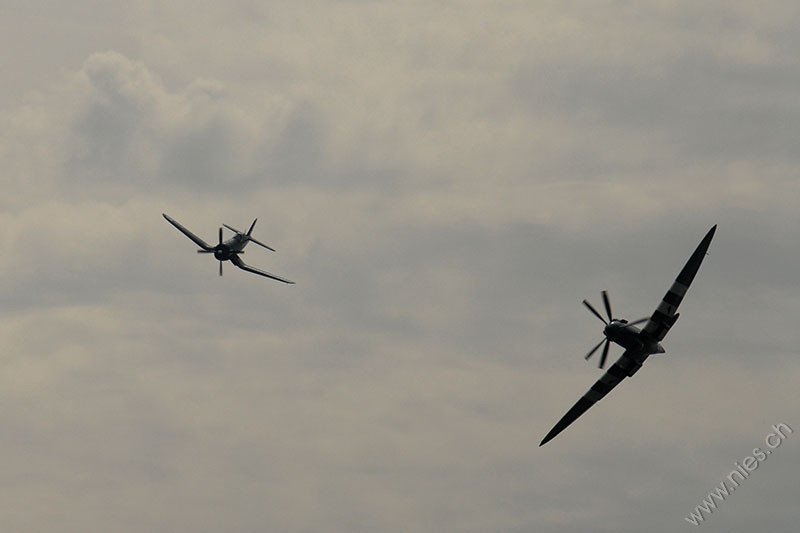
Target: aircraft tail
[{"x": 249, "y": 233}]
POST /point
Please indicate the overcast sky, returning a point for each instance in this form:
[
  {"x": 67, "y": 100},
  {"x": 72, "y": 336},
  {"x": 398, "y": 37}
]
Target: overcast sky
[{"x": 445, "y": 181}]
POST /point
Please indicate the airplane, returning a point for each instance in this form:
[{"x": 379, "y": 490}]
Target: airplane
[
  {"x": 638, "y": 344},
  {"x": 230, "y": 249}
]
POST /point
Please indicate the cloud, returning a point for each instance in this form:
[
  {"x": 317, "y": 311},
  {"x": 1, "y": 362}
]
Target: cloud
[
  {"x": 446, "y": 183},
  {"x": 115, "y": 127}
]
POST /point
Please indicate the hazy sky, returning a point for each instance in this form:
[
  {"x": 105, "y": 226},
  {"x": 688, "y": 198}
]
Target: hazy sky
[{"x": 445, "y": 181}]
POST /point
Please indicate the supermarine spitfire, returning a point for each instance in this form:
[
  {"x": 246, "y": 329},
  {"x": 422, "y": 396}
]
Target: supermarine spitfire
[
  {"x": 228, "y": 250},
  {"x": 638, "y": 344}
]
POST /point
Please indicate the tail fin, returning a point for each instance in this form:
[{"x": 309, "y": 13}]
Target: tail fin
[{"x": 253, "y": 225}]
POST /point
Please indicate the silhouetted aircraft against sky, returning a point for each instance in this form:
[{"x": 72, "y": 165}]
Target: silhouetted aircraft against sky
[
  {"x": 638, "y": 344},
  {"x": 228, "y": 250}
]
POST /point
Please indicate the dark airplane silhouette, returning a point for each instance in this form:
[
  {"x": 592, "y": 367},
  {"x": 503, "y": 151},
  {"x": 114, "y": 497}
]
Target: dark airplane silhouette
[
  {"x": 228, "y": 250},
  {"x": 638, "y": 344}
]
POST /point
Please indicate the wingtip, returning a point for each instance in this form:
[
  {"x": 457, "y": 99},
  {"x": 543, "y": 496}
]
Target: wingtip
[{"x": 550, "y": 436}]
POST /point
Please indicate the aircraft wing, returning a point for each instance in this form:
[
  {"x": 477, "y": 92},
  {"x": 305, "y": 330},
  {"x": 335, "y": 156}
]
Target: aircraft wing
[
  {"x": 197, "y": 240},
  {"x": 236, "y": 260},
  {"x": 665, "y": 315},
  {"x": 613, "y": 377}
]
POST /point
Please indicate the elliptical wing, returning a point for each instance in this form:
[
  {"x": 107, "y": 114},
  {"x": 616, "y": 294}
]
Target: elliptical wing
[
  {"x": 603, "y": 386},
  {"x": 666, "y": 314}
]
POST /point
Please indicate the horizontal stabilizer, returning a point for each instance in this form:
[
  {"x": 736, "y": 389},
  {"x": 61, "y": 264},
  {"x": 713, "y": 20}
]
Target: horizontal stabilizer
[{"x": 261, "y": 244}]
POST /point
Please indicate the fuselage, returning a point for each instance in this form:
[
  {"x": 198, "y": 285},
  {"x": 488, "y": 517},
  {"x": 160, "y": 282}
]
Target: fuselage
[
  {"x": 233, "y": 246},
  {"x": 638, "y": 346}
]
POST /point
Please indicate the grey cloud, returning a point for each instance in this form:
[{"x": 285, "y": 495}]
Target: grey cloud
[
  {"x": 298, "y": 154},
  {"x": 443, "y": 229},
  {"x": 121, "y": 103},
  {"x": 201, "y": 157},
  {"x": 130, "y": 129},
  {"x": 701, "y": 105}
]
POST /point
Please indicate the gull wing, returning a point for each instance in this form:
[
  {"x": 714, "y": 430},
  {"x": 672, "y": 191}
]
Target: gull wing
[
  {"x": 612, "y": 378},
  {"x": 665, "y": 315},
  {"x": 236, "y": 260},
  {"x": 197, "y": 240}
]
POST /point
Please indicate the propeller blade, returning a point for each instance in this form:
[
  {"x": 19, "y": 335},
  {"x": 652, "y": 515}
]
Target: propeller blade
[
  {"x": 607, "y": 304},
  {"x": 605, "y": 354},
  {"x": 205, "y": 251},
  {"x": 639, "y": 321},
  {"x": 220, "y": 268},
  {"x": 591, "y": 353},
  {"x": 593, "y": 310},
  {"x": 220, "y": 235}
]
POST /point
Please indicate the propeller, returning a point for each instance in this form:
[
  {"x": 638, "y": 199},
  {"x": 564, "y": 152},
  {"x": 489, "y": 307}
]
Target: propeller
[
  {"x": 608, "y": 305},
  {"x": 220, "y": 244},
  {"x": 605, "y": 352},
  {"x": 226, "y": 251},
  {"x": 593, "y": 310},
  {"x": 606, "y": 342},
  {"x": 638, "y": 321}
]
